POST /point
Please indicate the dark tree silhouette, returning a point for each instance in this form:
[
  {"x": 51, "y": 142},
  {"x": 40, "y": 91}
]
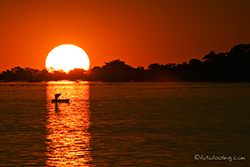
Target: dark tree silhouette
[
  {"x": 7, "y": 76},
  {"x": 159, "y": 72},
  {"x": 114, "y": 70},
  {"x": 44, "y": 75},
  {"x": 233, "y": 66},
  {"x": 237, "y": 66},
  {"x": 58, "y": 75},
  {"x": 77, "y": 74},
  {"x": 95, "y": 74},
  {"x": 210, "y": 56}
]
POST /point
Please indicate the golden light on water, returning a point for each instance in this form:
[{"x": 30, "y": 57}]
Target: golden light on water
[{"x": 68, "y": 139}]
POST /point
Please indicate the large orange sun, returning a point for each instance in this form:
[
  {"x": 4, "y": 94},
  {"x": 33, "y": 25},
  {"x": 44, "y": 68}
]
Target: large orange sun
[{"x": 67, "y": 57}]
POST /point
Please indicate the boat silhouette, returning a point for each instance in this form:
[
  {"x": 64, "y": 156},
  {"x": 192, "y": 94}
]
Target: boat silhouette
[{"x": 56, "y": 100}]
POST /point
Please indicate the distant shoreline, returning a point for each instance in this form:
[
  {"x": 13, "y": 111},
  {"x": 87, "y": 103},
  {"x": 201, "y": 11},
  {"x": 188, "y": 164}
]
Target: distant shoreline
[
  {"x": 233, "y": 66},
  {"x": 1, "y": 81}
]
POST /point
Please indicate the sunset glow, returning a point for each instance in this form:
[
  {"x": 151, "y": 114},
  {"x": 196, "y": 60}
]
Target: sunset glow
[{"x": 67, "y": 57}]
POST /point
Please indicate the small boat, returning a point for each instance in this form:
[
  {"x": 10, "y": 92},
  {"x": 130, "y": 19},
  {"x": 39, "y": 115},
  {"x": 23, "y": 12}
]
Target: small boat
[
  {"x": 56, "y": 100},
  {"x": 60, "y": 101}
]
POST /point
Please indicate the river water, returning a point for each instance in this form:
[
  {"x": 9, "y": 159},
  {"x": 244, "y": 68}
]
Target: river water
[{"x": 125, "y": 124}]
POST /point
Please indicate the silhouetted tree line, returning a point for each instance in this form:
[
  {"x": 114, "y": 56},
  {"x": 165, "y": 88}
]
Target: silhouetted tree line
[
  {"x": 34, "y": 75},
  {"x": 233, "y": 66}
]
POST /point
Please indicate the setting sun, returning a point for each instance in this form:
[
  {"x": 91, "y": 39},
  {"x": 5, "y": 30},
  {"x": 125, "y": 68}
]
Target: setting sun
[{"x": 67, "y": 57}]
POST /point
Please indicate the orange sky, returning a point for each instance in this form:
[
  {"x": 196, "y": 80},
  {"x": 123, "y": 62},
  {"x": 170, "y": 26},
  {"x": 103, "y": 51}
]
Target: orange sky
[{"x": 139, "y": 32}]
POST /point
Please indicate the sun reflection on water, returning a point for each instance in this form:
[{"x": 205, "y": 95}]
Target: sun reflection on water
[{"x": 68, "y": 139}]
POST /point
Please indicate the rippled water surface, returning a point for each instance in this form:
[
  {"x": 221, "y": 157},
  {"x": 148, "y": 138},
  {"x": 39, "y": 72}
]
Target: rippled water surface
[{"x": 125, "y": 124}]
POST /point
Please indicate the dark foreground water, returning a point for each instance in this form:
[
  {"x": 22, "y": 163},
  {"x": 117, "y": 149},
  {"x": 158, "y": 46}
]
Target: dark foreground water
[{"x": 125, "y": 124}]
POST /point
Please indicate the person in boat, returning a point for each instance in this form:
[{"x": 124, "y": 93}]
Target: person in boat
[
  {"x": 56, "y": 96},
  {"x": 59, "y": 100}
]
